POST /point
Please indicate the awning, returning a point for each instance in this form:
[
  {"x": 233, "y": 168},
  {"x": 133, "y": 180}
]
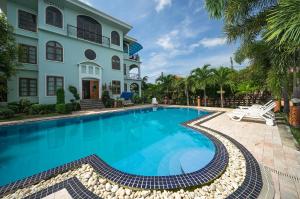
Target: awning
[{"x": 134, "y": 48}]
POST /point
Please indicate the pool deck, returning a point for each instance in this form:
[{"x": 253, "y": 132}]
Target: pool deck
[{"x": 272, "y": 146}]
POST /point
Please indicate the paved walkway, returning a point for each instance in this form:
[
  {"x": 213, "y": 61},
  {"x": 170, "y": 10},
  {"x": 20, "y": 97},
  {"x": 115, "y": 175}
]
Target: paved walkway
[{"x": 272, "y": 146}]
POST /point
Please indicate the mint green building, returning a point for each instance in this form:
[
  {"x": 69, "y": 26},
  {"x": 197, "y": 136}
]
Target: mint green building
[{"x": 66, "y": 42}]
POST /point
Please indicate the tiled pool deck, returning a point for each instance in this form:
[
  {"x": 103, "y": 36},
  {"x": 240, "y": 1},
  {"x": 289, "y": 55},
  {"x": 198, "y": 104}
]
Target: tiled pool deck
[
  {"x": 269, "y": 148},
  {"x": 258, "y": 138}
]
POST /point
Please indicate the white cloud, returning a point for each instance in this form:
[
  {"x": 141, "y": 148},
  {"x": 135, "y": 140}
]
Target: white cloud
[
  {"x": 167, "y": 41},
  {"x": 212, "y": 42},
  {"x": 175, "y": 41},
  {"x": 88, "y": 2},
  {"x": 161, "y": 4}
]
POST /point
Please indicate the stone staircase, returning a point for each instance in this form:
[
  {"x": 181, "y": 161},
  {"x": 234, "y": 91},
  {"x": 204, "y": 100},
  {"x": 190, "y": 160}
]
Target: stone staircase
[{"x": 88, "y": 104}]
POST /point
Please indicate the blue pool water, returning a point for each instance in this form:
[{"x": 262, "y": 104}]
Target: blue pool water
[{"x": 143, "y": 142}]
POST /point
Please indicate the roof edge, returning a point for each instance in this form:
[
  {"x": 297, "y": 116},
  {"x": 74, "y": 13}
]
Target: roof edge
[
  {"x": 130, "y": 39},
  {"x": 100, "y": 13}
]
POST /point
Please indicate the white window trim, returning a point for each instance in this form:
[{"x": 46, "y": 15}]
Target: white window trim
[
  {"x": 31, "y": 12},
  {"x": 63, "y": 17},
  {"x": 49, "y": 60}
]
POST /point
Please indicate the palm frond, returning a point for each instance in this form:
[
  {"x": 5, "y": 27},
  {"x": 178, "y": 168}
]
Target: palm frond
[{"x": 284, "y": 23}]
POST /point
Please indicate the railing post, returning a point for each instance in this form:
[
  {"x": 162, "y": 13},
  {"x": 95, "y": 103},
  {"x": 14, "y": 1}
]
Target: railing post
[{"x": 198, "y": 101}]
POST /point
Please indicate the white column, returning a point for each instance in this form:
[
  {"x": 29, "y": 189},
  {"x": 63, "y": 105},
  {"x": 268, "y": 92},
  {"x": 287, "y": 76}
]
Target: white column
[
  {"x": 140, "y": 89},
  {"x": 139, "y": 71}
]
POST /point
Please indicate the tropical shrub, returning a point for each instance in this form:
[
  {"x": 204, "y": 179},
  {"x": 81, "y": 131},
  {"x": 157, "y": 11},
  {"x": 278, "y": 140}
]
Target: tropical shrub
[
  {"x": 6, "y": 113},
  {"x": 60, "y": 96},
  {"x": 75, "y": 105},
  {"x": 136, "y": 99},
  {"x": 36, "y": 109},
  {"x": 14, "y": 106},
  {"x": 107, "y": 101},
  {"x": 63, "y": 108},
  {"x": 9, "y": 50},
  {"x": 74, "y": 102},
  {"x": 24, "y": 105},
  {"x": 75, "y": 93}
]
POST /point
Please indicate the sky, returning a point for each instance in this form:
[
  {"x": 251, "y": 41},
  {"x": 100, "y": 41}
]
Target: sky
[{"x": 177, "y": 35}]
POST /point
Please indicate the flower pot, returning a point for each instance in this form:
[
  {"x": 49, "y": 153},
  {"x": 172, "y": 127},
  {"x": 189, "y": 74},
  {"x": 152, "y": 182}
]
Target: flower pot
[
  {"x": 277, "y": 106},
  {"x": 294, "y": 116}
]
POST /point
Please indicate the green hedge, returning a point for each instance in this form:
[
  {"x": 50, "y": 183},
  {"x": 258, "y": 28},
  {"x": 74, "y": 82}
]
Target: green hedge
[
  {"x": 6, "y": 113},
  {"x": 60, "y": 96},
  {"x": 37, "y": 109},
  {"x": 64, "y": 108},
  {"x": 22, "y": 106}
]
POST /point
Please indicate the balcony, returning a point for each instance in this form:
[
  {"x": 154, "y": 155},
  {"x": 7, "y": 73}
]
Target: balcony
[
  {"x": 133, "y": 76},
  {"x": 135, "y": 57},
  {"x": 88, "y": 35}
]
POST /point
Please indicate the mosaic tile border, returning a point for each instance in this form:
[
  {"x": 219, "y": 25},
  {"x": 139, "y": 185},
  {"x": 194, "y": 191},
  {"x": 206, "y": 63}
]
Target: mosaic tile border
[
  {"x": 250, "y": 188},
  {"x": 74, "y": 187},
  {"x": 253, "y": 183}
]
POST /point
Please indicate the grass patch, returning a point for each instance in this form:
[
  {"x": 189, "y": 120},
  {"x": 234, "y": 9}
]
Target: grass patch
[
  {"x": 24, "y": 116},
  {"x": 296, "y": 133}
]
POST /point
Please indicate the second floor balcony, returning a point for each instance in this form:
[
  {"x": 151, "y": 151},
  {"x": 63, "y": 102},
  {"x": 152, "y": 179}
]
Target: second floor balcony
[
  {"x": 135, "y": 57},
  {"x": 133, "y": 76},
  {"x": 88, "y": 35}
]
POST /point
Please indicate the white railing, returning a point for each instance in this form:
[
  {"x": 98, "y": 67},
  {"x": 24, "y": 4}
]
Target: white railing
[{"x": 133, "y": 76}]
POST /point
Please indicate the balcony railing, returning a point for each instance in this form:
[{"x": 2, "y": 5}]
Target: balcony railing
[
  {"x": 133, "y": 76},
  {"x": 135, "y": 57},
  {"x": 88, "y": 35}
]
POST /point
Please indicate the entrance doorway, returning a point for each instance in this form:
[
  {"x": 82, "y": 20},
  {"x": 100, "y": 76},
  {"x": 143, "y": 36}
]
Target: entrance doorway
[{"x": 90, "y": 89}]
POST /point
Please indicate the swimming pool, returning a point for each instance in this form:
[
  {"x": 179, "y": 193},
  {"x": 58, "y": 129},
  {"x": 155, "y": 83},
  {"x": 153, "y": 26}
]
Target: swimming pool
[{"x": 148, "y": 142}]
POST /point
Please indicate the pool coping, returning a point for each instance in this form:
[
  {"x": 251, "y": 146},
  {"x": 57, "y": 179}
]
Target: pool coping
[
  {"x": 251, "y": 185},
  {"x": 75, "y": 114}
]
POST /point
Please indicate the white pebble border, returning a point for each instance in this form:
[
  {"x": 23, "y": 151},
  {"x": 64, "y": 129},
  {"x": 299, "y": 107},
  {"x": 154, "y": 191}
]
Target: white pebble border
[{"x": 222, "y": 187}]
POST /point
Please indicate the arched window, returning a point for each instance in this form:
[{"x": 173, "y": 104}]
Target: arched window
[
  {"x": 89, "y": 29},
  {"x": 54, "y": 51},
  {"x": 54, "y": 17},
  {"x": 115, "y": 38},
  {"x": 116, "y": 63}
]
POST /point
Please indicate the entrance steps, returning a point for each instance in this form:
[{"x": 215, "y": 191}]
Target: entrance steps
[{"x": 87, "y": 104}]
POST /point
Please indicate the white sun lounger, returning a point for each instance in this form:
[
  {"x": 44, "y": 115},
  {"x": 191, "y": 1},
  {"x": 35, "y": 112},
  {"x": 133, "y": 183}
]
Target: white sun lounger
[
  {"x": 255, "y": 113},
  {"x": 256, "y": 105},
  {"x": 154, "y": 101}
]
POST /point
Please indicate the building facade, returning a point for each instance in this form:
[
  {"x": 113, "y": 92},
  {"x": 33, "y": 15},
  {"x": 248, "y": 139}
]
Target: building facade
[{"x": 68, "y": 43}]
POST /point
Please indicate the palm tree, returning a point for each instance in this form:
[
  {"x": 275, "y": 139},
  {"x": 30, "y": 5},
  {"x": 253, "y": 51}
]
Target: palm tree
[
  {"x": 284, "y": 23},
  {"x": 283, "y": 31},
  {"x": 166, "y": 83},
  {"x": 221, "y": 76},
  {"x": 248, "y": 19},
  {"x": 242, "y": 19},
  {"x": 203, "y": 77}
]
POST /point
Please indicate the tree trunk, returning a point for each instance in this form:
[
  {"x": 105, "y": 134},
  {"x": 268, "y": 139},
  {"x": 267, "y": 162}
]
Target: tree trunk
[
  {"x": 221, "y": 89},
  {"x": 286, "y": 108},
  {"x": 187, "y": 98},
  {"x": 205, "y": 97}
]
